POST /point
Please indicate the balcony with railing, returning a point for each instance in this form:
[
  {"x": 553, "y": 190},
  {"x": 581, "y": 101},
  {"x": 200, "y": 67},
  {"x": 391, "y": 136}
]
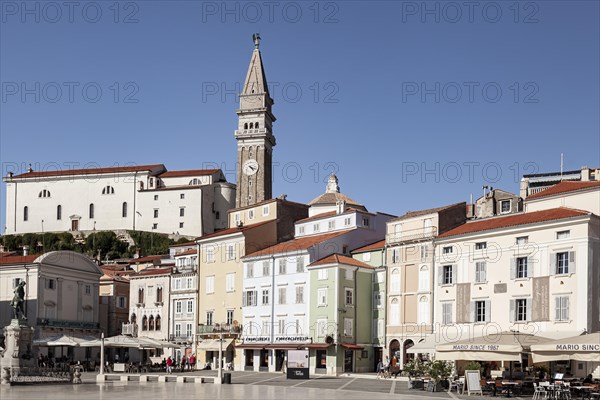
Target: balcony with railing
[
  {"x": 216, "y": 328},
  {"x": 129, "y": 329},
  {"x": 62, "y": 323},
  {"x": 413, "y": 235},
  {"x": 181, "y": 337}
]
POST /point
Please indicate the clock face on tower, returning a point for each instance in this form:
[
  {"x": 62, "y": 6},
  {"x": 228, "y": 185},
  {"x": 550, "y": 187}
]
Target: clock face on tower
[{"x": 250, "y": 167}]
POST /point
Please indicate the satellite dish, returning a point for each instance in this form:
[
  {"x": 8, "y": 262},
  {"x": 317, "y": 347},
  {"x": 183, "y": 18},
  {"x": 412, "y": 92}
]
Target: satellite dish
[{"x": 329, "y": 340}]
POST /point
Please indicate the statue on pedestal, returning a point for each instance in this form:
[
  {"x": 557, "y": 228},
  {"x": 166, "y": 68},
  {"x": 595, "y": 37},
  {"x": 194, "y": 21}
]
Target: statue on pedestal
[{"x": 18, "y": 301}]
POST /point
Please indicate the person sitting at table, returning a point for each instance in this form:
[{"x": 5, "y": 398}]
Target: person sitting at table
[{"x": 588, "y": 379}]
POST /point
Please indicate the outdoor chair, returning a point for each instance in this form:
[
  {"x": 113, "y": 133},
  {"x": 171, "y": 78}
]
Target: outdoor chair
[
  {"x": 539, "y": 392},
  {"x": 459, "y": 385}
]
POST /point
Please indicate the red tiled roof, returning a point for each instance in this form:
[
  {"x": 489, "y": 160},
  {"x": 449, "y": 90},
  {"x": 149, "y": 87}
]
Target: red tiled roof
[
  {"x": 184, "y": 244},
  {"x": 563, "y": 187},
  {"x": 340, "y": 259},
  {"x": 149, "y": 258},
  {"x": 91, "y": 171},
  {"x": 11, "y": 260},
  {"x": 187, "y": 252},
  {"x": 410, "y": 214},
  {"x": 373, "y": 246},
  {"x": 301, "y": 243},
  {"x": 188, "y": 172},
  {"x": 7, "y": 253},
  {"x": 514, "y": 220},
  {"x": 228, "y": 231},
  {"x": 332, "y": 213},
  {"x": 269, "y": 201}
]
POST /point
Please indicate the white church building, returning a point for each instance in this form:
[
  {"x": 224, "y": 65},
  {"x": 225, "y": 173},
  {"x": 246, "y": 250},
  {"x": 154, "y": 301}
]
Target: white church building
[{"x": 141, "y": 197}]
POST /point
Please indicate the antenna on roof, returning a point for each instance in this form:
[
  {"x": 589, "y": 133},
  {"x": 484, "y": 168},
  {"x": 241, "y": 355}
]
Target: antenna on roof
[{"x": 561, "y": 166}]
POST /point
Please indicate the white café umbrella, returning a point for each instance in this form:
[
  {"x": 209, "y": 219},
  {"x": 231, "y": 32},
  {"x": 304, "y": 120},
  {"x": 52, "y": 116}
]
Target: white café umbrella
[
  {"x": 503, "y": 346},
  {"x": 581, "y": 348},
  {"x": 62, "y": 340},
  {"x": 129, "y": 342}
]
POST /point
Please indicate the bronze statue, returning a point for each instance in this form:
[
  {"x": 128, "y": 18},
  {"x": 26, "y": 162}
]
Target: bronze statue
[
  {"x": 18, "y": 301},
  {"x": 256, "y": 40}
]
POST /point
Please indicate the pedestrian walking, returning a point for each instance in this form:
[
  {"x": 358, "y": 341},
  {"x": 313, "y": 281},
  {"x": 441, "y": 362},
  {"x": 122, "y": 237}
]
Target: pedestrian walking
[
  {"x": 183, "y": 362},
  {"x": 193, "y": 361},
  {"x": 169, "y": 365}
]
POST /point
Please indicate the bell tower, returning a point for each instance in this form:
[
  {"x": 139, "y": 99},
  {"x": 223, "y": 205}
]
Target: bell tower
[{"x": 254, "y": 135}]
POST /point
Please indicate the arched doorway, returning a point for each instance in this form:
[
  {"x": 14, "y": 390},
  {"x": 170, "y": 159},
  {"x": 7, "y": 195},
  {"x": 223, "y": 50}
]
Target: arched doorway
[
  {"x": 394, "y": 348},
  {"x": 406, "y": 357}
]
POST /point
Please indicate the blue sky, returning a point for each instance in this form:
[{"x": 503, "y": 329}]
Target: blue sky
[{"x": 412, "y": 104}]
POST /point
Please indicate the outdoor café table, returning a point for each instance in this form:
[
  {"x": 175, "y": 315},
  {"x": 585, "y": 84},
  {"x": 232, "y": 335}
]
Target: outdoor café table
[
  {"x": 508, "y": 386},
  {"x": 582, "y": 391}
]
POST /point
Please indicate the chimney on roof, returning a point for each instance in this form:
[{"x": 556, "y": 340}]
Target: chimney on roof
[
  {"x": 30, "y": 169},
  {"x": 25, "y": 250},
  {"x": 10, "y": 174}
]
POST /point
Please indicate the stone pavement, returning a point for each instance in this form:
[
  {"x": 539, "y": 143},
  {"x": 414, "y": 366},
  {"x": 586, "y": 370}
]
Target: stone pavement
[{"x": 245, "y": 385}]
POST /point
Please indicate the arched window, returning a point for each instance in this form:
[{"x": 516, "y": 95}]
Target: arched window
[
  {"x": 424, "y": 278},
  {"x": 108, "y": 190},
  {"x": 44, "y": 193},
  {"x": 195, "y": 181},
  {"x": 246, "y": 125},
  {"x": 157, "y": 322},
  {"x": 251, "y": 125},
  {"x": 25, "y": 213},
  {"x": 140, "y": 295},
  {"x": 59, "y": 212},
  {"x": 151, "y": 323},
  {"x": 144, "y": 323},
  {"x": 423, "y": 310},
  {"x": 256, "y": 125},
  {"x": 133, "y": 318},
  {"x": 159, "y": 295},
  {"x": 395, "y": 281},
  {"x": 395, "y": 312},
  {"x": 124, "y": 210},
  {"x": 91, "y": 210}
]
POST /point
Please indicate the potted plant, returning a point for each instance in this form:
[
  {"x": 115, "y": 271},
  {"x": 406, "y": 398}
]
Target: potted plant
[
  {"x": 439, "y": 371},
  {"x": 474, "y": 366},
  {"x": 414, "y": 368}
]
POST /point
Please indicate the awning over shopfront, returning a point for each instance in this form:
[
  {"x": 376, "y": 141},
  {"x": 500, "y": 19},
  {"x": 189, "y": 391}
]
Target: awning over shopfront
[
  {"x": 581, "y": 348},
  {"x": 504, "y": 346},
  {"x": 318, "y": 345},
  {"x": 351, "y": 346},
  {"x": 62, "y": 340},
  {"x": 214, "y": 344}
]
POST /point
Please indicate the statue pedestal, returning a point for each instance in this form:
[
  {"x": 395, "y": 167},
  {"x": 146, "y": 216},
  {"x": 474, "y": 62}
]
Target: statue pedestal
[{"x": 18, "y": 339}]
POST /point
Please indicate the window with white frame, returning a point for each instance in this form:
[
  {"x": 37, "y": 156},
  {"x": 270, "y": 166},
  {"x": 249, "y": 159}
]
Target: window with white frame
[
  {"x": 189, "y": 282},
  {"x": 210, "y": 255},
  {"x": 231, "y": 252},
  {"x": 423, "y": 252},
  {"x": 480, "y": 271},
  {"x": 521, "y": 268},
  {"x": 282, "y": 266},
  {"x": 230, "y": 282},
  {"x": 377, "y": 300},
  {"x": 331, "y": 225},
  {"x": 265, "y": 297},
  {"x": 265, "y": 210},
  {"x": 348, "y": 327},
  {"x": 300, "y": 264},
  {"x": 229, "y": 319},
  {"x": 251, "y": 214},
  {"x": 520, "y": 310},
  {"x": 190, "y": 306},
  {"x": 521, "y": 240},
  {"x": 210, "y": 284},
  {"x": 563, "y": 234},
  {"x": 366, "y": 257},
  {"x": 177, "y": 283},
  {"x": 446, "y": 313},
  {"x": 188, "y": 330},
  {"x": 561, "y": 307},
  {"x": 349, "y": 274},
  {"x": 249, "y": 298},
  {"x": 178, "y": 307},
  {"x": 423, "y": 317},
  {"x": 424, "y": 278},
  {"x": 447, "y": 250},
  {"x": 395, "y": 255},
  {"x": 209, "y": 318},
  {"x": 266, "y": 327},
  {"x": 565, "y": 262},
  {"x": 321, "y": 327},
  {"x": 281, "y": 325},
  {"x": 480, "y": 245},
  {"x": 504, "y": 206},
  {"x": 315, "y": 227},
  {"x": 447, "y": 275},
  {"x": 481, "y": 311},
  {"x": 301, "y": 230},
  {"x": 349, "y": 297},
  {"x": 322, "y": 296},
  {"x": 282, "y": 295},
  {"x": 299, "y": 294},
  {"x": 347, "y": 221},
  {"x": 177, "y": 330},
  {"x": 250, "y": 270},
  {"x": 395, "y": 281},
  {"x": 395, "y": 312},
  {"x": 266, "y": 268},
  {"x": 322, "y": 274},
  {"x": 365, "y": 222}
]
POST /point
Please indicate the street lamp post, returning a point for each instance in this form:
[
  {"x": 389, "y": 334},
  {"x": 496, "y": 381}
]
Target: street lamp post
[
  {"x": 219, "y": 379},
  {"x": 100, "y": 376}
]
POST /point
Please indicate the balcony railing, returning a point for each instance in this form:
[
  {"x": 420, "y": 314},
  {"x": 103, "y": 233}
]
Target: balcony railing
[
  {"x": 411, "y": 235},
  {"x": 62, "y": 323},
  {"x": 129, "y": 329},
  {"x": 223, "y": 328},
  {"x": 181, "y": 338}
]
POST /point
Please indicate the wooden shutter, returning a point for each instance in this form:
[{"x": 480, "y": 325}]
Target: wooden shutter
[
  {"x": 528, "y": 309},
  {"x": 472, "y": 312},
  {"x": 557, "y": 308},
  {"x": 440, "y": 275},
  {"x": 512, "y": 311},
  {"x": 488, "y": 310},
  {"x": 513, "y": 268},
  {"x": 244, "y": 294},
  {"x": 552, "y": 264},
  {"x": 454, "y": 276},
  {"x": 571, "y": 262},
  {"x": 530, "y": 267},
  {"x": 566, "y": 300}
]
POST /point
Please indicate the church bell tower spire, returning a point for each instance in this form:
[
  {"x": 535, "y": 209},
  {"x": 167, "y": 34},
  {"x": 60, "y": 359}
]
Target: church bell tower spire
[{"x": 254, "y": 135}]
